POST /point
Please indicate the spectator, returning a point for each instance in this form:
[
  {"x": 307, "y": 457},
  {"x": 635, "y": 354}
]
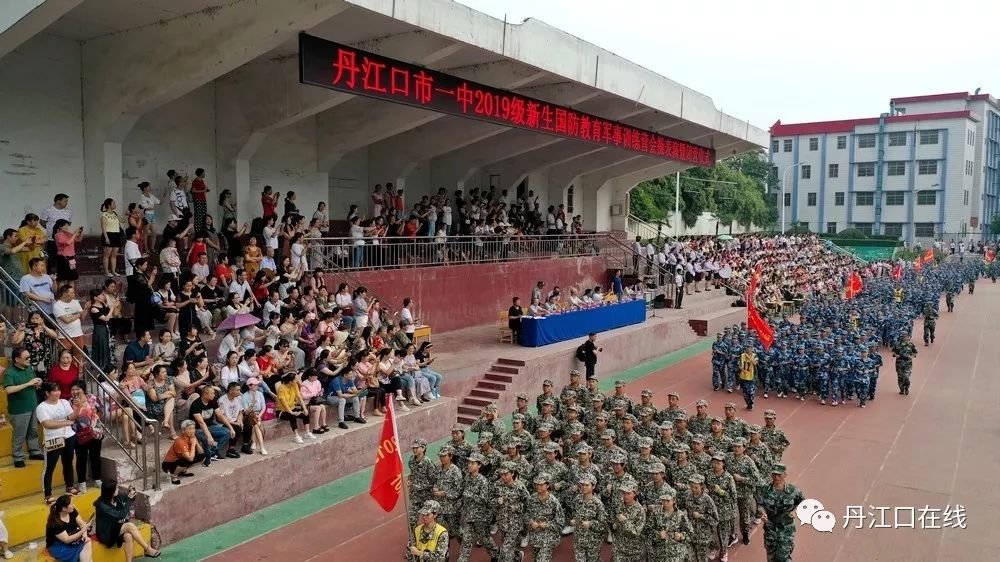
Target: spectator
[
  {"x": 312, "y": 394},
  {"x": 269, "y": 202},
  {"x": 342, "y": 392},
  {"x": 64, "y": 373},
  {"x": 31, "y": 231},
  {"x": 423, "y": 356},
  {"x": 37, "y": 338},
  {"x": 406, "y": 320},
  {"x": 214, "y": 431},
  {"x": 37, "y": 285},
  {"x": 165, "y": 350},
  {"x": 291, "y": 407},
  {"x": 139, "y": 351},
  {"x": 57, "y": 417},
  {"x": 66, "y": 533},
  {"x": 133, "y": 251},
  {"x": 21, "y": 383},
  {"x": 66, "y": 240},
  {"x": 113, "y": 528},
  {"x": 104, "y": 309},
  {"x": 58, "y": 210},
  {"x": 68, "y": 312},
  {"x": 147, "y": 204},
  {"x": 253, "y": 408},
  {"x": 183, "y": 453},
  {"x": 231, "y": 408},
  {"x": 89, "y": 435},
  {"x": 161, "y": 395}
]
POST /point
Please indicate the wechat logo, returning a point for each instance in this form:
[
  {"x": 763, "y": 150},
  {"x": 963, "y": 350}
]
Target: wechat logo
[{"x": 811, "y": 512}]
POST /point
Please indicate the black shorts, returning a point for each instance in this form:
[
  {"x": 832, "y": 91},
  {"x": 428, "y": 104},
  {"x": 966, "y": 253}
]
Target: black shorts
[
  {"x": 66, "y": 268},
  {"x": 688, "y": 277},
  {"x": 114, "y": 240}
]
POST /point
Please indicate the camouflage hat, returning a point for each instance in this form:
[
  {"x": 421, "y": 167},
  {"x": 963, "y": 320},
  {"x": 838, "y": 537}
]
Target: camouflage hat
[
  {"x": 576, "y": 427},
  {"x": 647, "y": 392},
  {"x": 617, "y": 458},
  {"x": 698, "y": 438},
  {"x": 739, "y": 442},
  {"x": 446, "y": 450},
  {"x": 588, "y": 478},
  {"x": 701, "y": 402},
  {"x": 522, "y": 396},
  {"x": 646, "y": 411},
  {"x": 547, "y": 382},
  {"x": 512, "y": 442},
  {"x": 574, "y": 408},
  {"x": 646, "y": 442},
  {"x": 730, "y": 405},
  {"x": 551, "y": 447},
  {"x": 619, "y": 406},
  {"x": 543, "y": 478},
  {"x": 420, "y": 442},
  {"x": 631, "y": 418},
  {"x": 673, "y": 393},
  {"x": 429, "y": 507},
  {"x": 619, "y": 383},
  {"x": 569, "y": 393},
  {"x": 627, "y": 487},
  {"x": 597, "y": 397},
  {"x": 490, "y": 408},
  {"x": 545, "y": 426},
  {"x": 719, "y": 457},
  {"x": 778, "y": 468},
  {"x": 585, "y": 449},
  {"x": 717, "y": 419},
  {"x": 753, "y": 428},
  {"x": 574, "y": 372},
  {"x": 486, "y": 437},
  {"x": 680, "y": 416},
  {"x": 666, "y": 425},
  {"x": 668, "y": 495},
  {"x": 458, "y": 427},
  {"x": 608, "y": 434},
  {"x": 476, "y": 457},
  {"x": 518, "y": 418},
  {"x": 656, "y": 467},
  {"x": 602, "y": 416},
  {"x": 507, "y": 466},
  {"x": 696, "y": 479},
  {"x": 770, "y": 414},
  {"x": 548, "y": 402},
  {"x": 682, "y": 448}
]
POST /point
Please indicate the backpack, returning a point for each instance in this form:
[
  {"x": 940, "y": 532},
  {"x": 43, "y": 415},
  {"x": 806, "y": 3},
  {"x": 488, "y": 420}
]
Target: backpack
[{"x": 581, "y": 353}]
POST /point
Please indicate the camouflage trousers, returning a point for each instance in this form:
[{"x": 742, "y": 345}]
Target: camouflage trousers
[
  {"x": 928, "y": 332},
  {"x": 450, "y": 521},
  {"x": 725, "y": 530},
  {"x": 779, "y": 542},
  {"x": 746, "y": 507},
  {"x": 718, "y": 374},
  {"x": 543, "y": 552},
  {"x": 587, "y": 551},
  {"x": 473, "y": 532},
  {"x": 700, "y": 551},
  {"x": 903, "y": 378},
  {"x": 510, "y": 543},
  {"x": 749, "y": 392},
  {"x": 416, "y": 502}
]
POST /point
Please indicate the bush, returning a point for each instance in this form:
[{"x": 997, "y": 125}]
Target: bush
[{"x": 852, "y": 233}]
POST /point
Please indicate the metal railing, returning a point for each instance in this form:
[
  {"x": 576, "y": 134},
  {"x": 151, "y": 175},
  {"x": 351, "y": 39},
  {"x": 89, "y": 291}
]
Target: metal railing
[
  {"x": 647, "y": 230},
  {"x": 118, "y": 413},
  {"x": 428, "y": 251}
]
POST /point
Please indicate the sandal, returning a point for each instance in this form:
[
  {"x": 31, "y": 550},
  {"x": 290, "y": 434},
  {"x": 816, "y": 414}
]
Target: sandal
[
  {"x": 50, "y": 500},
  {"x": 157, "y": 555},
  {"x": 74, "y": 491},
  {"x": 175, "y": 480},
  {"x": 186, "y": 474}
]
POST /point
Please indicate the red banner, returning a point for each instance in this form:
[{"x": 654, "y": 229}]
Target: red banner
[
  {"x": 387, "y": 478},
  {"x": 754, "y": 281},
  {"x": 929, "y": 256},
  {"x": 760, "y": 326},
  {"x": 854, "y": 286},
  {"x": 897, "y": 272},
  {"x": 990, "y": 256}
]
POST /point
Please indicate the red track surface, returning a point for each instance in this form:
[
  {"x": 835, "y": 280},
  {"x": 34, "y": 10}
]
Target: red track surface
[{"x": 938, "y": 446}]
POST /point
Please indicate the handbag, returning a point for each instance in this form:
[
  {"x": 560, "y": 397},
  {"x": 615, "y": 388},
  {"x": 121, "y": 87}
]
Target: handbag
[
  {"x": 85, "y": 434},
  {"x": 54, "y": 444}
]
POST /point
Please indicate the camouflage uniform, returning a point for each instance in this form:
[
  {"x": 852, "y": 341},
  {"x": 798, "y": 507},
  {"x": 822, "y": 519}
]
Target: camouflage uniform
[
  {"x": 774, "y": 437},
  {"x": 492, "y": 458},
  {"x": 570, "y": 489},
  {"x": 702, "y": 425},
  {"x": 462, "y": 450},
  {"x": 681, "y": 475},
  {"x": 477, "y": 514},
  {"x": 629, "y": 544},
  {"x": 718, "y": 444},
  {"x": 930, "y": 322},
  {"x": 450, "y": 482},
  {"x": 629, "y": 440},
  {"x": 734, "y": 428},
  {"x": 779, "y": 530},
  {"x": 704, "y": 521},
  {"x": 511, "y": 500},
  {"x": 722, "y": 489},
  {"x": 440, "y": 552},
  {"x": 904, "y": 351},
  {"x": 746, "y": 490},
  {"x": 761, "y": 455},
  {"x": 495, "y": 427},
  {"x": 618, "y": 399},
  {"x": 526, "y": 440},
  {"x": 550, "y": 512},
  {"x": 423, "y": 473},
  {"x": 587, "y": 542},
  {"x": 669, "y": 549}
]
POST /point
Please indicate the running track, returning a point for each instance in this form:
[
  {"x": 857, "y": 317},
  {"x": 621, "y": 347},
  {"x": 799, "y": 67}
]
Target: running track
[{"x": 939, "y": 446}]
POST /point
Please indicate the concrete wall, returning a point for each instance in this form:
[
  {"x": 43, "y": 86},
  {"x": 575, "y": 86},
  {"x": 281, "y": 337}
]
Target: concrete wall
[
  {"x": 41, "y": 157},
  {"x": 455, "y": 297},
  {"x": 287, "y": 161}
]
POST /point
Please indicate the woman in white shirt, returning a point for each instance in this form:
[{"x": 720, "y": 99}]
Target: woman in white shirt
[
  {"x": 299, "y": 253},
  {"x": 230, "y": 371},
  {"x": 446, "y": 216},
  {"x": 148, "y": 203},
  {"x": 253, "y": 407},
  {"x": 56, "y": 417}
]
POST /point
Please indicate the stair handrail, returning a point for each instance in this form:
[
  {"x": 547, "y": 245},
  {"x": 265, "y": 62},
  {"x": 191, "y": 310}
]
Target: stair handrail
[{"x": 96, "y": 380}]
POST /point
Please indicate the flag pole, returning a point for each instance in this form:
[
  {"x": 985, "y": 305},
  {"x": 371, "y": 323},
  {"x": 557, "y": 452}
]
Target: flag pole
[{"x": 405, "y": 478}]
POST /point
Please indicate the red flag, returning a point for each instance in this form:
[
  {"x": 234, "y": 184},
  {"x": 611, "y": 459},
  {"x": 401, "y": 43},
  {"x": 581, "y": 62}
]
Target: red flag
[
  {"x": 387, "y": 478},
  {"x": 760, "y": 326},
  {"x": 917, "y": 266},
  {"x": 990, "y": 256},
  {"x": 854, "y": 286},
  {"x": 897, "y": 272},
  {"x": 754, "y": 281},
  {"x": 929, "y": 256}
]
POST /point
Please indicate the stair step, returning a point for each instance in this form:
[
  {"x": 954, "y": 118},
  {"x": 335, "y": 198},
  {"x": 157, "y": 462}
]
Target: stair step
[
  {"x": 101, "y": 553},
  {"x": 25, "y": 517},
  {"x": 470, "y": 411},
  {"x": 477, "y": 401},
  {"x": 465, "y": 420},
  {"x": 511, "y": 362},
  {"x": 492, "y": 385},
  {"x": 486, "y": 394},
  {"x": 500, "y": 377},
  {"x": 27, "y": 481},
  {"x": 504, "y": 369}
]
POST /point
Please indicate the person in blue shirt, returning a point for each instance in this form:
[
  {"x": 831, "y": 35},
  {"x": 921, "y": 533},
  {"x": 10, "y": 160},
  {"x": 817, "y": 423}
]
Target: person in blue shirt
[
  {"x": 616, "y": 284},
  {"x": 340, "y": 392},
  {"x": 139, "y": 351}
]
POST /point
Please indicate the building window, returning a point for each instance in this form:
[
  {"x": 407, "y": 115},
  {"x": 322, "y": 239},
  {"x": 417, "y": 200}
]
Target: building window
[
  {"x": 841, "y": 142},
  {"x": 864, "y": 198},
  {"x": 894, "y": 198},
  {"x": 788, "y": 199},
  {"x": 866, "y": 141},
  {"x": 774, "y": 146},
  {"x": 831, "y": 228},
  {"x": 897, "y": 139},
  {"x": 833, "y": 171},
  {"x": 970, "y": 136},
  {"x": 966, "y": 198},
  {"x": 569, "y": 199},
  {"x": 803, "y": 225},
  {"x": 838, "y": 198},
  {"x": 929, "y": 137},
  {"x": 813, "y": 144},
  {"x": 927, "y": 167},
  {"x": 923, "y": 230},
  {"x": 787, "y": 144},
  {"x": 896, "y": 168},
  {"x": 866, "y": 169},
  {"x": 806, "y": 171},
  {"x": 969, "y": 167},
  {"x": 893, "y": 229},
  {"x": 865, "y": 227},
  {"x": 927, "y": 198},
  {"x": 811, "y": 199}
]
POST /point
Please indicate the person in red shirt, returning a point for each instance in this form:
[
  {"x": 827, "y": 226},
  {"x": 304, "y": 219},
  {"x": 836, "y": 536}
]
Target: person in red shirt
[
  {"x": 223, "y": 271},
  {"x": 64, "y": 373},
  {"x": 269, "y": 201}
]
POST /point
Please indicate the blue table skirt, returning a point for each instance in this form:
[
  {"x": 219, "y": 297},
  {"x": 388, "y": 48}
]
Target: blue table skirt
[{"x": 536, "y": 332}]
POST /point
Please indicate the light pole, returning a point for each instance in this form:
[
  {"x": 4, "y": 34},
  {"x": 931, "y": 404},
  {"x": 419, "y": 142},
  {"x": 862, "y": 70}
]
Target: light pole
[
  {"x": 782, "y": 202},
  {"x": 677, "y": 195}
]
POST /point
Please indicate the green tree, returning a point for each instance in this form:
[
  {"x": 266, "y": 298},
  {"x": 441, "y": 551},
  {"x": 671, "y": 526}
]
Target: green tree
[{"x": 995, "y": 225}]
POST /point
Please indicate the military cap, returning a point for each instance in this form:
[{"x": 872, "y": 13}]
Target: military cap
[
  {"x": 584, "y": 449},
  {"x": 627, "y": 486},
  {"x": 420, "y": 442},
  {"x": 518, "y": 417},
  {"x": 619, "y": 406},
  {"x": 486, "y": 437},
  {"x": 646, "y": 442},
  {"x": 646, "y": 411},
  {"x": 545, "y": 426},
  {"x": 682, "y": 448},
  {"x": 778, "y": 468},
  {"x": 630, "y": 418},
  {"x": 730, "y": 405},
  {"x": 740, "y": 442},
  {"x": 491, "y": 408},
  {"x": 647, "y": 392},
  {"x": 547, "y": 382},
  {"x": 576, "y": 427},
  {"x": 597, "y": 397},
  {"x": 543, "y": 478},
  {"x": 619, "y": 383},
  {"x": 458, "y": 427},
  {"x": 429, "y": 507},
  {"x": 551, "y": 447},
  {"x": 446, "y": 450},
  {"x": 701, "y": 402},
  {"x": 548, "y": 402},
  {"x": 680, "y": 416},
  {"x": 666, "y": 425},
  {"x": 698, "y": 438},
  {"x": 668, "y": 495},
  {"x": 696, "y": 479},
  {"x": 673, "y": 393},
  {"x": 574, "y": 408},
  {"x": 602, "y": 416},
  {"x": 574, "y": 372},
  {"x": 570, "y": 393},
  {"x": 608, "y": 434},
  {"x": 507, "y": 466},
  {"x": 588, "y": 478},
  {"x": 513, "y": 442},
  {"x": 656, "y": 467},
  {"x": 719, "y": 457},
  {"x": 753, "y": 428},
  {"x": 522, "y": 396},
  {"x": 770, "y": 414},
  {"x": 476, "y": 457},
  {"x": 618, "y": 458},
  {"x": 717, "y": 419}
]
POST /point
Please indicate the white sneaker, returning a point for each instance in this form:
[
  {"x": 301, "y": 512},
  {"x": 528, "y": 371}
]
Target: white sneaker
[
  {"x": 403, "y": 407},
  {"x": 568, "y": 530},
  {"x": 298, "y": 438},
  {"x": 263, "y": 451},
  {"x": 415, "y": 402},
  {"x": 524, "y": 542},
  {"x": 82, "y": 486},
  {"x": 8, "y": 554},
  {"x": 309, "y": 435}
]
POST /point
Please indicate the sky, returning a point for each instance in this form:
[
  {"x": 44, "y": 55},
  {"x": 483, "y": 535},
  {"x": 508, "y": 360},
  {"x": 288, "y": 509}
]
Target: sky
[{"x": 793, "y": 60}]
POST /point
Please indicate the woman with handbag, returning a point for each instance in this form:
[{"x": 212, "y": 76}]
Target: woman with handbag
[
  {"x": 89, "y": 435},
  {"x": 113, "y": 529},
  {"x": 291, "y": 407},
  {"x": 253, "y": 409},
  {"x": 57, "y": 417},
  {"x": 312, "y": 394},
  {"x": 38, "y": 338}
]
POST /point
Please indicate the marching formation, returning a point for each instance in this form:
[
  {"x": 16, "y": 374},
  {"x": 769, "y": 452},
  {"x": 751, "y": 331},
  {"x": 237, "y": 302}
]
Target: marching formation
[{"x": 656, "y": 484}]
